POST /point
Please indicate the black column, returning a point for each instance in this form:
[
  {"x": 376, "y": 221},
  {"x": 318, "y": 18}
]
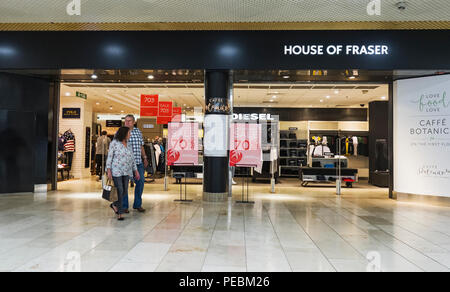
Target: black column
[
  {"x": 24, "y": 103},
  {"x": 217, "y": 117}
]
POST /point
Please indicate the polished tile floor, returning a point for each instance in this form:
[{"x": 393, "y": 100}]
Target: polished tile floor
[{"x": 296, "y": 229}]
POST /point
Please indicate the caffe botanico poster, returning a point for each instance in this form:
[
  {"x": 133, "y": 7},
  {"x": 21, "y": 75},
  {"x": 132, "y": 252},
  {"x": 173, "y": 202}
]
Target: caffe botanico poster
[{"x": 422, "y": 136}]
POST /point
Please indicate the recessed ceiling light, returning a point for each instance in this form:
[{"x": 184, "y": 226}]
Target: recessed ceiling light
[
  {"x": 67, "y": 93},
  {"x": 328, "y": 97},
  {"x": 336, "y": 91},
  {"x": 286, "y": 77},
  {"x": 93, "y": 76},
  {"x": 150, "y": 77}
]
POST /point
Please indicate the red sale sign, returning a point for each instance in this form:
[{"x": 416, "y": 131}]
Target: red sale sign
[
  {"x": 165, "y": 109},
  {"x": 176, "y": 114},
  {"x": 245, "y": 145},
  {"x": 149, "y": 105},
  {"x": 149, "y": 100},
  {"x": 149, "y": 111},
  {"x": 163, "y": 120},
  {"x": 182, "y": 144}
]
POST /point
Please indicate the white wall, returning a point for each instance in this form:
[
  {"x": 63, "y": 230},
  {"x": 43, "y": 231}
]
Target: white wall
[
  {"x": 78, "y": 127},
  {"x": 422, "y": 160}
]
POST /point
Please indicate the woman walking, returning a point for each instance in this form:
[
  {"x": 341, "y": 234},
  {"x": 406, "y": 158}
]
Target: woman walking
[{"x": 120, "y": 166}]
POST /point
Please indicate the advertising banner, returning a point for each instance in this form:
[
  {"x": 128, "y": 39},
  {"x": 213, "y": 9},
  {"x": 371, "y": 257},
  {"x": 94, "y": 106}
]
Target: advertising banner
[
  {"x": 182, "y": 144},
  {"x": 163, "y": 120},
  {"x": 176, "y": 114},
  {"x": 165, "y": 109},
  {"x": 422, "y": 136},
  {"x": 245, "y": 145},
  {"x": 149, "y": 105}
]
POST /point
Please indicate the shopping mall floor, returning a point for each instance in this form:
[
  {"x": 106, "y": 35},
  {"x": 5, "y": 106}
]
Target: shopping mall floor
[{"x": 296, "y": 229}]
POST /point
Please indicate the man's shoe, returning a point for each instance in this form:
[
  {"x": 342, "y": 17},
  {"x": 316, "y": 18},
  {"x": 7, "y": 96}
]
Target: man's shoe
[
  {"x": 126, "y": 211},
  {"x": 140, "y": 209}
]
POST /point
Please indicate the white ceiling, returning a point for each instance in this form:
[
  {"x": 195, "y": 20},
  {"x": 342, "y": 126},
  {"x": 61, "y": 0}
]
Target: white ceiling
[
  {"x": 28, "y": 11},
  {"x": 126, "y": 97}
]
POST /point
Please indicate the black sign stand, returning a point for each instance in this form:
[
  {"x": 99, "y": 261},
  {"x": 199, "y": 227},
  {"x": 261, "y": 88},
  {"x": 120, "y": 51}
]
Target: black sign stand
[
  {"x": 245, "y": 180},
  {"x": 185, "y": 200}
]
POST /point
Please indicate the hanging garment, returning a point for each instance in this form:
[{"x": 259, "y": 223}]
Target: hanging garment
[
  {"x": 347, "y": 145},
  {"x": 320, "y": 150},
  {"x": 61, "y": 142},
  {"x": 157, "y": 153},
  {"x": 325, "y": 140},
  {"x": 355, "y": 145},
  {"x": 69, "y": 141}
]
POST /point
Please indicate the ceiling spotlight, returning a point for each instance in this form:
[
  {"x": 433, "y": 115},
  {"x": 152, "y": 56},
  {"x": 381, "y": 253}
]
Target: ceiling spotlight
[
  {"x": 151, "y": 77},
  {"x": 328, "y": 97},
  {"x": 286, "y": 77},
  {"x": 93, "y": 76},
  {"x": 67, "y": 93},
  {"x": 336, "y": 92}
]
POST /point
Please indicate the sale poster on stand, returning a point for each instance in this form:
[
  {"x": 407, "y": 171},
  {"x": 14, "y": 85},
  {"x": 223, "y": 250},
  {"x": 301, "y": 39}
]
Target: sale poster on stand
[
  {"x": 245, "y": 145},
  {"x": 182, "y": 144}
]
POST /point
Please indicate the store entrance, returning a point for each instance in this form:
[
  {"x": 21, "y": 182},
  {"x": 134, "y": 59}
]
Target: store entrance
[{"x": 324, "y": 131}]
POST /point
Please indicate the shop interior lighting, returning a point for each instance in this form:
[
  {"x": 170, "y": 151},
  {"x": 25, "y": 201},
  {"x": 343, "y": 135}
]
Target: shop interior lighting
[
  {"x": 93, "y": 76},
  {"x": 151, "y": 77}
]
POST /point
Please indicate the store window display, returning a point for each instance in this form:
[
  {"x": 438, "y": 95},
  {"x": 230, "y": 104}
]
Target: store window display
[{"x": 66, "y": 149}]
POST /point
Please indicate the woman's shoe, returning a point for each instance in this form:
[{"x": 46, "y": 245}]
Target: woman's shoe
[
  {"x": 112, "y": 207},
  {"x": 120, "y": 218}
]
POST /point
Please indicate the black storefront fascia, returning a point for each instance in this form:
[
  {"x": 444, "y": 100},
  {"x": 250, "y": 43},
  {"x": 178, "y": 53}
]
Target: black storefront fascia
[{"x": 218, "y": 50}]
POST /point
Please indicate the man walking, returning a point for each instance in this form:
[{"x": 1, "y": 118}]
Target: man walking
[
  {"x": 101, "y": 152},
  {"x": 136, "y": 144}
]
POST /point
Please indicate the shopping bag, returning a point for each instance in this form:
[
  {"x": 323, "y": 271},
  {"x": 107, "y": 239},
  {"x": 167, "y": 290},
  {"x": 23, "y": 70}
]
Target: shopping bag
[{"x": 109, "y": 192}]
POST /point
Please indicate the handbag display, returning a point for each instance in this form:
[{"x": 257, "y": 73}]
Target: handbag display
[{"x": 109, "y": 192}]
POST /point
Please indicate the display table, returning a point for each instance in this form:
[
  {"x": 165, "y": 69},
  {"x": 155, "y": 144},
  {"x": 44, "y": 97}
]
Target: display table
[
  {"x": 61, "y": 171},
  {"x": 327, "y": 175}
]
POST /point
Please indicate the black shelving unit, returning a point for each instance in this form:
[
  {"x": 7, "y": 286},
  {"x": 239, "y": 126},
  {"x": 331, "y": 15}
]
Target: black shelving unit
[{"x": 293, "y": 153}]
